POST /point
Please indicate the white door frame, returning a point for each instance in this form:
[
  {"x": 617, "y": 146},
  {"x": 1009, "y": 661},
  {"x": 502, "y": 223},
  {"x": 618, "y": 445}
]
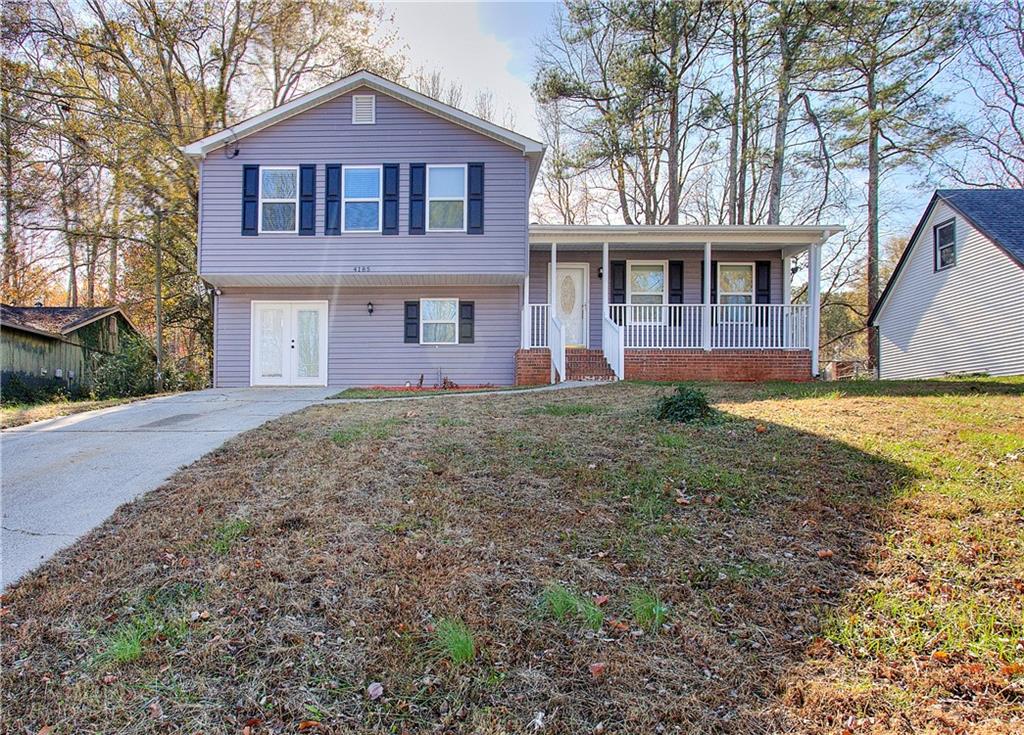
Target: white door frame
[
  {"x": 289, "y": 379},
  {"x": 585, "y": 267}
]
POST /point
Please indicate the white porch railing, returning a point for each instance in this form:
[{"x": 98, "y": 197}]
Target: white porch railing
[
  {"x": 556, "y": 343},
  {"x": 613, "y": 346},
  {"x": 681, "y": 326},
  {"x": 535, "y": 326}
]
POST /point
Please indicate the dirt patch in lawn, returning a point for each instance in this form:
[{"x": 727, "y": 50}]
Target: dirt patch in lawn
[{"x": 554, "y": 562}]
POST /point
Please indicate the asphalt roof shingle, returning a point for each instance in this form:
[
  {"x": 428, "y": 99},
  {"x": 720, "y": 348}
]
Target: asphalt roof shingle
[
  {"x": 53, "y": 320},
  {"x": 997, "y": 213}
]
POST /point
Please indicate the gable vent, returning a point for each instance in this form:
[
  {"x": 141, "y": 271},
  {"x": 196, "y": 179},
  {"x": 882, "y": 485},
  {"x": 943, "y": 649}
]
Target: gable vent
[{"x": 364, "y": 109}]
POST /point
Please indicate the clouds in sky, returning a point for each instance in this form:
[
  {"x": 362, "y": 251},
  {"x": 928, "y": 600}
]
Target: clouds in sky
[{"x": 482, "y": 46}]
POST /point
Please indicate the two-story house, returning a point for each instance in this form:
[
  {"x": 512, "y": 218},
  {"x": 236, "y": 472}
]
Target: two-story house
[{"x": 367, "y": 234}]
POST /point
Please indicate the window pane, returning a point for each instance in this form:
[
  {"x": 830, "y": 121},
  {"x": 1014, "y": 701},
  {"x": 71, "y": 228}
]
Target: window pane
[
  {"x": 945, "y": 235},
  {"x": 647, "y": 278},
  {"x": 361, "y": 215},
  {"x": 278, "y": 184},
  {"x": 278, "y": 217},
  {"x": 733, "y": 278},
  {"x": 947, "y": 256},
  {"x": 309, "y": 343},
  {"x": 362, "y": 183},
  {"x": 646, "y": 298},
  {"x": 447, "y": 183},
  {"x": 446, "y": 215},
  {"x": 442, "y": 332},
  {"x": 735, "y": 299},
  {"x": 271, "y": 342},
  {"x": 439, "y": 310}
]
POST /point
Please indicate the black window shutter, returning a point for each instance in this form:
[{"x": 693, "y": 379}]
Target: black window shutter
[
  {"x": 332, "y": 199},
  {"x": 412, "y": 321},
  {"x": 307, "y": 199},
  {"x": 675, "y": 289},
  {"x": 389, "y": 217},
  {"x": 763, "y": 282},
  {"x": 466, "y": 319},
  {"x": 617, "y": 283},
  {"x": 475, "y": 200},
  {"x": 250, "y": 199},
  {"x": 417, "y": 198}
]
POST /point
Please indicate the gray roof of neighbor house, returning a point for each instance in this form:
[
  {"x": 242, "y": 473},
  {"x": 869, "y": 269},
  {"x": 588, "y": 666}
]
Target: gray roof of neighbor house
[
  {"x": 998, "y": 214},
  {"x": 54, "y": 321}
]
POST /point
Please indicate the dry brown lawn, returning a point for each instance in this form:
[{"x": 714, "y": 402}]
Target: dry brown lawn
[
  {"x": 21, "y": 414},
  {"x": 813, "y": 559}
]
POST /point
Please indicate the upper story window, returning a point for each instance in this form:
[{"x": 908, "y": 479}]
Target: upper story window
[
  {"x": 361, "y": 189},
  {"x": 446, "y": 198},
  {"x": 439, "y": 321},
  {"x": 735, "y": 286},
  {"x": 945, "y": 245},
  {"x": 279, "y": 199},
  {"x": 364, "y": 109}
]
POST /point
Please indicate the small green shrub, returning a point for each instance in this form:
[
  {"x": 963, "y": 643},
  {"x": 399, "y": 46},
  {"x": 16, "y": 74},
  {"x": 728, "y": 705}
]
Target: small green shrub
[
  {"x": 563, "y": 604},
  {"x": 129, "y": 372},
  {"x": 684, "y": 406},
  {"x": 649, "y": 611},
  {"x": 454, "y": 639},
  {"x": 227, "y": 533}
]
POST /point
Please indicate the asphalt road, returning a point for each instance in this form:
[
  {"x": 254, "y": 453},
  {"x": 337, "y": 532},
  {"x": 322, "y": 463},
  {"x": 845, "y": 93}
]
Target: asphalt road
[{"x": 61, "y": 478}]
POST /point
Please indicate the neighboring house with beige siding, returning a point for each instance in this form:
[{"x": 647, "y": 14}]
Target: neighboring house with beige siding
[{"x": 955, "y": 303}]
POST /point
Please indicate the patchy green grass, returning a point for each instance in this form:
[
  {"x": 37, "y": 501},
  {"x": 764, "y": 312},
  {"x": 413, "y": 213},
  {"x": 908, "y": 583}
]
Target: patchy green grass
[
  {"x": 815, "y": 558},
  {"x": 454, "y": 640}
]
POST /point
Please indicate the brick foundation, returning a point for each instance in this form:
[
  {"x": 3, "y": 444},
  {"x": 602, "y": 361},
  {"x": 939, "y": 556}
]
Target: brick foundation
[
  {"x": 533, "y": 367},
  {"x": 739, "y": 365}
]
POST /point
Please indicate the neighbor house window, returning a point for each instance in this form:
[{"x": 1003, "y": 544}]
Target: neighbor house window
[
  {"x": 736, "y": 286},
  {"x": 279, "y": 198},
  {"x": 362, "y": 194},
  {"x": 446, "y": 198},
  {"x": 439, "y": 321},
  {"x": 646, "y": 288},
  {"x": 945, "y": 245}
]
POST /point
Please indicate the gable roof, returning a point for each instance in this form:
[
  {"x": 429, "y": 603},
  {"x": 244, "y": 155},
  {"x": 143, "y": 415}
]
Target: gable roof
[
  {"x": 532, "y": 149},
  {"x": 998, "y": 214},
  {"x": 54, "y": 321}
]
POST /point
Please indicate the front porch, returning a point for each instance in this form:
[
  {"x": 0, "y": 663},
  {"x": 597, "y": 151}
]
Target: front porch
[{"x": 673, "y": 302}]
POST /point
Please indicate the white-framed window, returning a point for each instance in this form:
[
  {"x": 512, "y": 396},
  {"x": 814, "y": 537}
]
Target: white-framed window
[
  {"x": 361, "y": 188},
  {"x": 279, "y": 199},
  {"x": 364, "y": 109},
  {"x": 646, "y": 286},
  {"x": 945, "y": 244},
  {"x": 446, "y": 198},
  {"x": 439, "y": 321},
  {"x": 736, "y": 286}
]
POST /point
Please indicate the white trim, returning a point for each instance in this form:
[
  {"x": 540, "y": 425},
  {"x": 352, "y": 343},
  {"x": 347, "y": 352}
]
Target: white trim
[
  {"x": 373, "y": 109},
  {"x": 324, "y": 308},
  {"x": 531, "y": 149},
  {"x": 379, "y": 199},
  {"x": 260, "y": 199},
  {"x": 765, "y": 237},
  {"x": 423, "y": 321},
  {"x": 585, "y": 267},
  {"x": 751, "y": 293},
  {"x": 465, "y": 196}
]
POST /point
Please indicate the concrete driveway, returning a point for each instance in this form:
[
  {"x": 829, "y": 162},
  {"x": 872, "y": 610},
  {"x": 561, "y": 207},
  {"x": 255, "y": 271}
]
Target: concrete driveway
[{"x": 61, "y": 478}]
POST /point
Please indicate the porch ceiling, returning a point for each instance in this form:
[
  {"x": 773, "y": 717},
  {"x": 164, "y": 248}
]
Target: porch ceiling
[{"x": 680, "y": 237}]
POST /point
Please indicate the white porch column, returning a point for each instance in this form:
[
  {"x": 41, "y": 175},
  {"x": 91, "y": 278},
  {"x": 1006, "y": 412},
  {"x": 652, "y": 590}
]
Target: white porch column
[
  {"x": 706, "y": 298},
  {"x": 552, "y": 275},
  {"x": 814, "y": 299},
  {"x": 787, "y": 280},
  {"x": 526, "y": 327},
  {"x": 604, "y": 281}
]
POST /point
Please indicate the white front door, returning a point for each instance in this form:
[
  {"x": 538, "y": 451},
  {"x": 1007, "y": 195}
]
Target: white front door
[
  {"x": 571, "y": 303},
  {"x": 289, "y": 343}
]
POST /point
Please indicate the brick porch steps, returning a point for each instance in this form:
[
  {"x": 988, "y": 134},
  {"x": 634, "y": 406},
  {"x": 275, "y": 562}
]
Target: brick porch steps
[{"x": 583, "y": 364}]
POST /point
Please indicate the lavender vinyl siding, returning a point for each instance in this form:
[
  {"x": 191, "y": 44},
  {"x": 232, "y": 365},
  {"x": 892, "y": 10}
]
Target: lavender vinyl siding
[
  {"x": 368, "y": 349},
  {"x": 539, "y": 260},
  {"x": 402, "y": 134}
]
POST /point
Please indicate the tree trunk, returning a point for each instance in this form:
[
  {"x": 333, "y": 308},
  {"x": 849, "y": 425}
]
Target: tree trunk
[
  {"x": 781, "y": 129},
  {"x": 873, "y": 183},
  {"x": 115, "y": 221},
  {"x": 10, "y": 251},
  {"x": 734, "y": 123},
  {"x": 744, "y": 115},
  {"x": 673, "y": 138}
]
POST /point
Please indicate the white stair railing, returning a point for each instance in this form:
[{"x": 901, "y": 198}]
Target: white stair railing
[
  {"x": 535, "y": 326},
  {"x": 556, "y": 342},
  {"x": 613, "y": 346}
]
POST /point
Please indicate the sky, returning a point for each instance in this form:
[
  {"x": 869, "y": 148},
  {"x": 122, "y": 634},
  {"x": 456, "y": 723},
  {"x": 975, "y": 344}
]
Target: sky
[{"x": 484, "y": 46}]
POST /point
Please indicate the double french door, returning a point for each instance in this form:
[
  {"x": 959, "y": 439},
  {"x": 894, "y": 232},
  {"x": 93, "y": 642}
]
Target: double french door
[{"x": 289, "y": 343}]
